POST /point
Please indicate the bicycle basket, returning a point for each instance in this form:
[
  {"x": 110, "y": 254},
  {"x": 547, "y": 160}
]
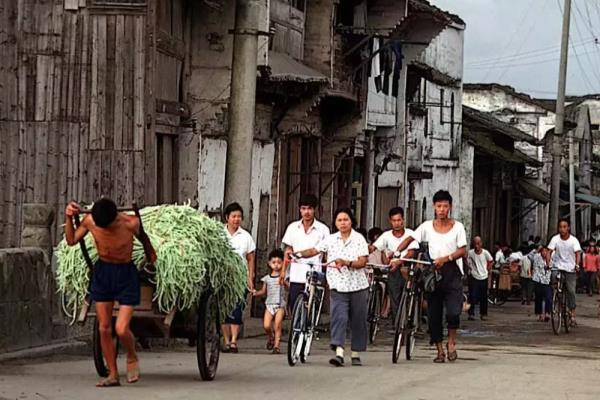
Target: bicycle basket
[{"x": 318, "y": 277}]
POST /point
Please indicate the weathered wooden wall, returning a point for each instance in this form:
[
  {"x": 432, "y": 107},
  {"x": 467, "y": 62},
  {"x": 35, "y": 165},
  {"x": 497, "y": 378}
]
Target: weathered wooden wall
[{"x": 75, "y": 90}]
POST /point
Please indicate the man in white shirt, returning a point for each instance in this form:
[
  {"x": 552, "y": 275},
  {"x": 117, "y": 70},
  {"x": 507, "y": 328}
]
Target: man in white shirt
[
  {"x": 307, "y": 233},
  {"x": 565, "y": 255},
  {"x": 499, "y": 257},
  {"x": 480, "y": 262},
  {"x": 387, "y": 243}
]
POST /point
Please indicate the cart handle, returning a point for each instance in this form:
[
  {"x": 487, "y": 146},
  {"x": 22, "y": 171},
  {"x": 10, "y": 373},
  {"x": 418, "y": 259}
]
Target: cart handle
[{"x": 84, "y": 250}]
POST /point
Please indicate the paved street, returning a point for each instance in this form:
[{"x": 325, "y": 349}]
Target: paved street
[{"x": 509, "y": 357}]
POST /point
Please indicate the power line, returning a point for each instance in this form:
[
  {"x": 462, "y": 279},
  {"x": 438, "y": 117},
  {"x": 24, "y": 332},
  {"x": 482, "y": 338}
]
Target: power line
[
  {"x": 590, "y": 28},
  {"x": 514, "y": 34},
  {"x": 520, "y": 46},
  {"x": 593, "y": 65},
  {"x": 525, "y": 55},
  {"x": 543, "y": 61}
]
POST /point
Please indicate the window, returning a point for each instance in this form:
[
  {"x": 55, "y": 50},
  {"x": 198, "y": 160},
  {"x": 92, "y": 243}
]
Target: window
[
  {"x": 110, "y": 6},
  {"x": 298, "y": 4},
  {"x": 167, "y": 168}
]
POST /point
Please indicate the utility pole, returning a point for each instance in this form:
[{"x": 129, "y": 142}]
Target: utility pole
[
  {"x": 560, "y": 121},
  {"x": 572, "y": 185},
  {"x": 238, "y": 175}
]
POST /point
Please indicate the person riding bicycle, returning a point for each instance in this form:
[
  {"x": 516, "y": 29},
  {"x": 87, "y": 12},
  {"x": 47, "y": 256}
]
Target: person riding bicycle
[
  {"x": 565, "y": 255},
  {"x": 447, "y": 241},
  {"x": 307, "y": 233},
  {"x": 347, "y": 253},
  {"x": 387, "y": 243}
]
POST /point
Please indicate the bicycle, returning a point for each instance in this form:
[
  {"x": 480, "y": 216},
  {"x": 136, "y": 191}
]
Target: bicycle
[
  {"x": 306, "y": 313},
  {"x": 377, "y": 275},
  {"x": 560, "y": 316},
  {"x": 408, "y": 318}
]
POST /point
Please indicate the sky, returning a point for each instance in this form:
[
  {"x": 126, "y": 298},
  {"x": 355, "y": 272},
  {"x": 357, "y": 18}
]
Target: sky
[{"x": 517, "y": 42}]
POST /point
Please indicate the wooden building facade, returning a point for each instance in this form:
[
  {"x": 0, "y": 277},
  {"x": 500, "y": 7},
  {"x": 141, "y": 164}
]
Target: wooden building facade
[{"x": 79, "y": 102}]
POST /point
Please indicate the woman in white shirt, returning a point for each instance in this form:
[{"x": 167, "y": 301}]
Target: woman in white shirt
[
  {"x": 242, "y": 243},
  {"x": 447, "y": 242},
  {"x": 347, "y": 253}
]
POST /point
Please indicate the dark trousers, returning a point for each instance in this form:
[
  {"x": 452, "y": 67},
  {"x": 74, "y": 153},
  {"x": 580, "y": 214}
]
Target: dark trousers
[
  {"x": 351, "y": 307},
  {"x": 449, "y": 295},
  {"x": 543, "y": 297},
  {"x": 591, "y": 281},
  {"x": 526, "y": 289},
  {"x": 478, "y": 293},
  {"x": 395, "y": 286},
  {"x": 295, "y": 290}
]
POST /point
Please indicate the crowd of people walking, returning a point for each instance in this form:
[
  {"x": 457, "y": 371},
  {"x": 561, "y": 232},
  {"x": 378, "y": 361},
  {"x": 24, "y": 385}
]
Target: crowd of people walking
[{"x": 346, "y": 252}]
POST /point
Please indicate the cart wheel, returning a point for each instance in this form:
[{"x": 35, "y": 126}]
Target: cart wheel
[
  {"x": 208, "y": 344},
  {"x": 99, "y": 363}
]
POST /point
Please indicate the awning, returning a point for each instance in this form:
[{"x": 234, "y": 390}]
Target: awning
[
  {"x": 282, "y": 67},
  {"x": 530, "y": 191},
  {"x": 476, "y": 119},
  {"x": 588, "y": 198},
  {"x": 485, "y": 144},
  {"x": 434, "y": 75}
]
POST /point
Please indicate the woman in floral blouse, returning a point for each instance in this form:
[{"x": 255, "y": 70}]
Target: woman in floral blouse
[
  {"x": 541, "y": 281},
  {"x": 347, "y": 254}
]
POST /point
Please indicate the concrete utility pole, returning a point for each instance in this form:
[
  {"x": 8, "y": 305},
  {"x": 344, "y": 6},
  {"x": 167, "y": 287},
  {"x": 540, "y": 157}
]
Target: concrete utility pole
[
  {"x": 560, "y": 121},
  {"x": 572, "y": 185},
  {"x": 238, "y": 176}
]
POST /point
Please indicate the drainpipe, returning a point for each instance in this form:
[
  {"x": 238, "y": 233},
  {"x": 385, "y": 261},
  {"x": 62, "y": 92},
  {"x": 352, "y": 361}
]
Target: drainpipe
[{"x": 238, "y": 176}]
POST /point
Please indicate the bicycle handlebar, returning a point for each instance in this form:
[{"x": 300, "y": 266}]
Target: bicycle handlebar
[
  {"x": 411, "y": 260},
  {"x": 382, "y": 267}
]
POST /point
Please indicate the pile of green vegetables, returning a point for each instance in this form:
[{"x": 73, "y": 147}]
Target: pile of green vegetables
[{"x": 193, "y": 255}]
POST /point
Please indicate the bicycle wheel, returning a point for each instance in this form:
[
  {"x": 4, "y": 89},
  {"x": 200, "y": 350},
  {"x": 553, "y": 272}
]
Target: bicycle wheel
[
  {"x": 566, "y": 314},
  {"x": 296, "y": 335},
  {"x": 311, "y": 325},
  {"x": 501, "y": 297},
  {"x": 556, "y": 312},
  {"x": 374, "y": 312},
  {"x": 412, "y": 326},
  {"x": 399, "y": 328}
]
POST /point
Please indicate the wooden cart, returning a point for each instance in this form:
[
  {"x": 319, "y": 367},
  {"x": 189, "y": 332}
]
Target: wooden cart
[{"x": 201, "y": 326}]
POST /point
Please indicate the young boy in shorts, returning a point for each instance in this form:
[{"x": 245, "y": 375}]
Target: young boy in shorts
[
  {"x": 114, "y": 278},
  {"x": 275, "y": 302}
]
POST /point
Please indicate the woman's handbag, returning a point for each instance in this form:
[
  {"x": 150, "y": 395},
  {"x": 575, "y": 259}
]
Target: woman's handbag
[{"x": 431, "y": 278}]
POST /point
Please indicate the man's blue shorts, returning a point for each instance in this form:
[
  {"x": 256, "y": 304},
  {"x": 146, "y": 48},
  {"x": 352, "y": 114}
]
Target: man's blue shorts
[{"x": 116, "y": 282}]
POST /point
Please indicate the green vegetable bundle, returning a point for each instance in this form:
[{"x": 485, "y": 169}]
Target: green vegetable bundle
[{"x": 193, "y": 255}]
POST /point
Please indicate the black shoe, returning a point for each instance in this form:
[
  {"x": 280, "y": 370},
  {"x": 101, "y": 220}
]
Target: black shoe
[
  {"x": 337, "y": 361},
  {"x": 356, "y": 362},
  {"x": 471, "y": 318}
]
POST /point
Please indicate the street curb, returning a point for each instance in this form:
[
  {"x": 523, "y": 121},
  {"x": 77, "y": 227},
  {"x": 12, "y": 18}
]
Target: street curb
[{"x": 45, "y": 350}]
